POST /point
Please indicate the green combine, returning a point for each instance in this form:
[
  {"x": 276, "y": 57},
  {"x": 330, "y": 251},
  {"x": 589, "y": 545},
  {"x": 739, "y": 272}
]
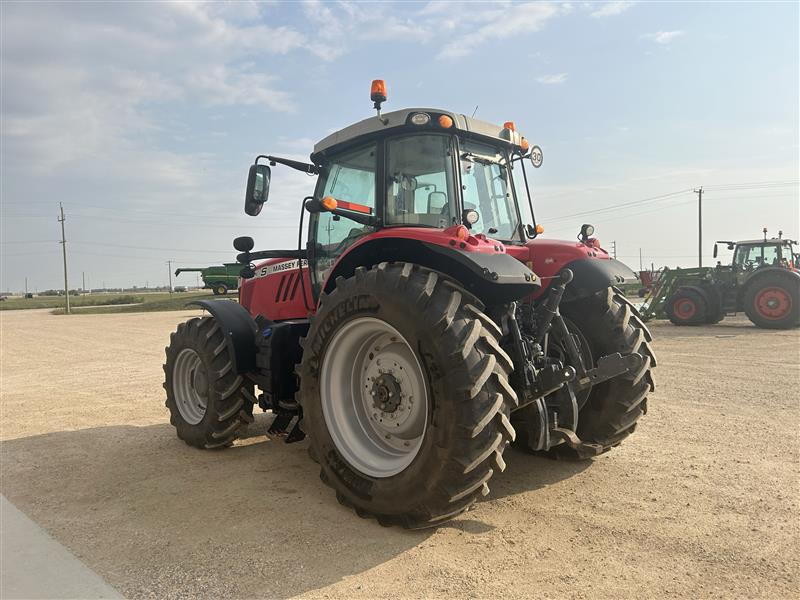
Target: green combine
[{"x": 219, "y": 279}]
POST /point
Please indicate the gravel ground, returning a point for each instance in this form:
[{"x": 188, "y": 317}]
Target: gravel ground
[{"x": 701, "y": 502}]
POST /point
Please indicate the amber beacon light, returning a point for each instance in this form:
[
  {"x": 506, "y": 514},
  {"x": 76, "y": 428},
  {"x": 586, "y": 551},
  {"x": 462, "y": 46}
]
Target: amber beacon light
[{"x": 377, "y": 92}]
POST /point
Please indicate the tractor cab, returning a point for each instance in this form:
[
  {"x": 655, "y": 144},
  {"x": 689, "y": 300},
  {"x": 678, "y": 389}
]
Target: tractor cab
[
  {"x": 422, "y": 174},
  {"x": 753, "y": 255}
]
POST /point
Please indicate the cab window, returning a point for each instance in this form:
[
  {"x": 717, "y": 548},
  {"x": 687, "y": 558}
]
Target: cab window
[
  {"x": 420, "y": 182},
  {"x": 349, "y": 177},
  {"x": 486, "y": 188}
]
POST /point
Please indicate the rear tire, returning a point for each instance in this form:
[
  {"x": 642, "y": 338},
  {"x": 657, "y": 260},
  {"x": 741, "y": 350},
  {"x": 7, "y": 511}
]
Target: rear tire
[
  {"x": 208, "y": 403},
  {"x": 610, "y": 323},
  {"x": 687, "y": 307},
  {"x": 465, "y": 374},
  {"x": 773, "y": 302},
  {"x": 220, "y": 289}
]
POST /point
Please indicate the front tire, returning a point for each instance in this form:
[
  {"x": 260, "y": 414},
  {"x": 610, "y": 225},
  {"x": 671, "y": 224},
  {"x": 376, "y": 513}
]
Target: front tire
[
  {"x": 220, "y": 289},
  {"x": 687, "y": 307},
  {"x": 404, "y": 315},
  {"x": 208, "y": 403}
]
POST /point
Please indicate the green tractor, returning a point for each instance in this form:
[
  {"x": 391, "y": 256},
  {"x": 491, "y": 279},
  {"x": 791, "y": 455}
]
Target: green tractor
[{"x": 763, "y": 281}]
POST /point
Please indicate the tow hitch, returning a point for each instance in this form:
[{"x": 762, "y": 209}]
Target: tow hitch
[{"x": 549, "y": 386}]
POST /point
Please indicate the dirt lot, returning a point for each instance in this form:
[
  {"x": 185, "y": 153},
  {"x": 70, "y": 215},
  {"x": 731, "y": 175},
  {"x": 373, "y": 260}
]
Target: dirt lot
[{"x": 701, "y": 502}]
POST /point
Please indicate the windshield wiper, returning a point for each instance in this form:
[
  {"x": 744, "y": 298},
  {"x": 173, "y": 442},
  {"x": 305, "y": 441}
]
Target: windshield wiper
[{"x": 482, "y": 158}]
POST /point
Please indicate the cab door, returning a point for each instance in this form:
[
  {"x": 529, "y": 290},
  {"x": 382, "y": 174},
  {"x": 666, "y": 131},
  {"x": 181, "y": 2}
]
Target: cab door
[{"x": 349, "y": 177}]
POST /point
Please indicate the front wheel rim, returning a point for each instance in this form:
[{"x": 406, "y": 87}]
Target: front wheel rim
[
  {"x": 190, "y": 386},
  {"x": 685, "y": 308},
  {"x": 374, "y": 397}
]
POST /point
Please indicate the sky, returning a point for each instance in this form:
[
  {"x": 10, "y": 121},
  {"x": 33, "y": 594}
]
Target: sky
[{"x": 142, "y": 118}]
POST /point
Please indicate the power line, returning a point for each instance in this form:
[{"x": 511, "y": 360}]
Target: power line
[
  {"x": 153, "y": 248},
  {"x": 622, "y": 205}
]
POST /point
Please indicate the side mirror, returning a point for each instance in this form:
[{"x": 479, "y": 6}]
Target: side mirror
[
  {"x": 257, "y": 189},
  {"x": 715, "y": 251}
]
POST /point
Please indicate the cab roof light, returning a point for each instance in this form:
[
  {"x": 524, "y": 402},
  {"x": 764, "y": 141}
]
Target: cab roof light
[
  {"x": 524, "y": 144},
  {"x": 377, "y": 92},
  {"x": 329, "y": 203},
  {"x": 510, "y": 126},
  {"x": 445, "y": 122}
]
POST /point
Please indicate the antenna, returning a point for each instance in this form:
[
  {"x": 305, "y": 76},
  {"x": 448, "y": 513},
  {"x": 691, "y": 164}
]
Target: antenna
[{"x": 474, "y": 111}]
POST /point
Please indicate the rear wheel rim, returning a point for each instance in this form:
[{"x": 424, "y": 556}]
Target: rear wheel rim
[
  {"x": 685, "y": 308},
  {"x": 374, "y": 397},
  {"x": 773, "y": 303},
  {"x": 190, "y": 385}
]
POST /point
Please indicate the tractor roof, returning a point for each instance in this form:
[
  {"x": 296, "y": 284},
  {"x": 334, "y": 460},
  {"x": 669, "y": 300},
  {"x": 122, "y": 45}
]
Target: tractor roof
[
  {"x": 401, "y": 119},
  {"x": 762, "y": 241}
]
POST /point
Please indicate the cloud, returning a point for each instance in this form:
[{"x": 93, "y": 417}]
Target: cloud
[
  {"x": 495, "y": 22},
  {"x": 336, "y": 26},
  {"x": 610, "y": 9},
  {"x": 663, "y": 37},
  {"x": 87, "y": 85},
  {"x": 552, "y": 79}
]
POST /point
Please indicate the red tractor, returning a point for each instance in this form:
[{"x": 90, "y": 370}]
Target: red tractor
[{"x": 423, "y": 326}]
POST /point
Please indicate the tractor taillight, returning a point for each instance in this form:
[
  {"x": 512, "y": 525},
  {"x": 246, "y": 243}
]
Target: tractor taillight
[
  {"x": 524, "y": 144},
  {"x": 329, "y": 203}
]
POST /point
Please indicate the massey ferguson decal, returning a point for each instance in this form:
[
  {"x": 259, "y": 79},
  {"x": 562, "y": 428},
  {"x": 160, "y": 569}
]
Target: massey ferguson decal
[{"x": 288, "y": 265}]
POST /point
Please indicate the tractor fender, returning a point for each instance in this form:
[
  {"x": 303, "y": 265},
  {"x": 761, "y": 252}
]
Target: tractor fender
[
  {"x": 239, "y": 330},
  {"x": 591, "y": 275},
  {"x": 759, "y": 275},
  {"x": 495, "y": 278}
]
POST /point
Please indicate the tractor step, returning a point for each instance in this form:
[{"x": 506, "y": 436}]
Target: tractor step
[{"x": 280, "y": 428}]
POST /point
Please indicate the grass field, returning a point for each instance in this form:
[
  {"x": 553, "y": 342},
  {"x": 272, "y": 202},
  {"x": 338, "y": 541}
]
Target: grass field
[{"x": 110, "y": 303}]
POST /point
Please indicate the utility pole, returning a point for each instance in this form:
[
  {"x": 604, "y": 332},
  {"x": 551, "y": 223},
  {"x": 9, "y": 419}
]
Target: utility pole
[
  {"x": 641, "y": 268},
  {"x": 614, "y": 248},
  {"x": 699, "y": 193},
  {"x": 169, "y": 266},
  {"x": 83, "y": 276},
  {"x": 64, "y": 250},
  {"x": 26, "y": 287}
]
